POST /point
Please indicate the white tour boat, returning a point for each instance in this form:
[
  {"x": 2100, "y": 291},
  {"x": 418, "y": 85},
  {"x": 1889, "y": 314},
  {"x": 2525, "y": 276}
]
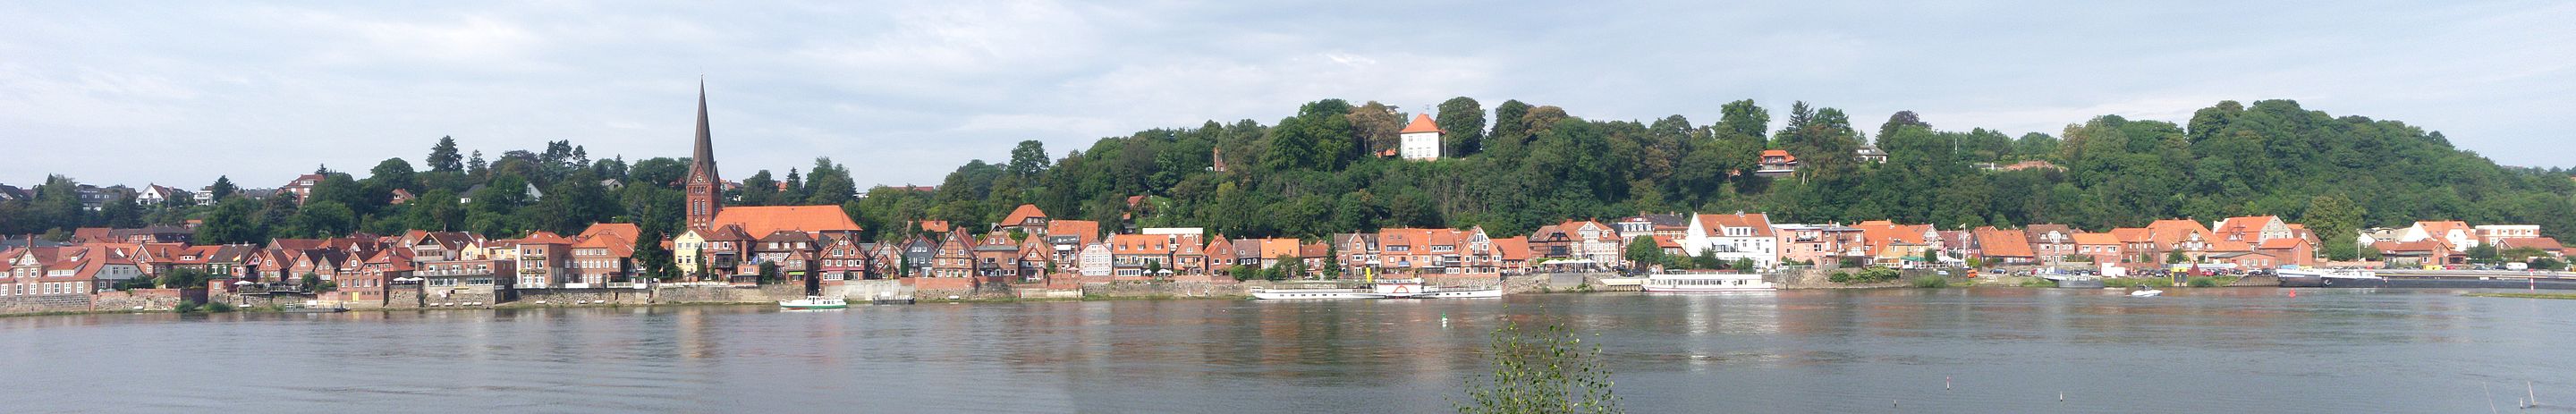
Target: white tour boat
[
  {"x": 814, "y": 302},
  {"x": 1706, "y": 282},
  {"x": 1384, "y": 289}
]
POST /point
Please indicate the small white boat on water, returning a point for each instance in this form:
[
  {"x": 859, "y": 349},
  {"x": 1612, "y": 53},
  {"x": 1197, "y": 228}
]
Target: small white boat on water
[
  {"x": 1706, "y": 282},
  {"x": 814, "y": 302},
  {"x": 2147, "y": 292},
  {"x": 1384, "y": 289}
]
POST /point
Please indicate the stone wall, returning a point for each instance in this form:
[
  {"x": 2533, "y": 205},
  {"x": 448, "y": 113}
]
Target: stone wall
[
  {"x": 576, "y": 297},
  {"x": 138, "y": 299},
  {"x": 728, "y": 294}
]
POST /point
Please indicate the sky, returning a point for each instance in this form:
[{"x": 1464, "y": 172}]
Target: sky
[{"x": 177, "y": 93}]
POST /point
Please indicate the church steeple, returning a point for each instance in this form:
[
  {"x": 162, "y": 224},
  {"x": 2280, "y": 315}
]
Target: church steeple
[{"x": 705, "y": 188}]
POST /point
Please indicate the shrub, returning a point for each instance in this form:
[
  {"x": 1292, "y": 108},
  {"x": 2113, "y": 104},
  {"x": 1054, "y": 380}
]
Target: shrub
[
  {"x": 1879, "y": 274},
  {"x": 218, "y": 307},
  {"x": 1541, "y": 371},
  {"x": 1840, "y": 277},
  {"x": 1931, "y": 282},
  {"x": 2204, "y": 281},
  {"x": 185, "y": 307}
]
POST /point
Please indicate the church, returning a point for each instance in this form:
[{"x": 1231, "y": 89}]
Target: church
[{"x": 730, "y": 243}]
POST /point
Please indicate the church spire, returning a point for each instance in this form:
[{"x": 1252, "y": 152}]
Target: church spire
[
  {"x": 704, "y": 187},
  {"x": 703, "y": 160}
]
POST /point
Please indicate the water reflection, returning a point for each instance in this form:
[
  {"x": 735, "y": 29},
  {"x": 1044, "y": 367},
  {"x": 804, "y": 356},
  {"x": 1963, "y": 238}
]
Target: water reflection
[{"x": 2006, "y": 350}]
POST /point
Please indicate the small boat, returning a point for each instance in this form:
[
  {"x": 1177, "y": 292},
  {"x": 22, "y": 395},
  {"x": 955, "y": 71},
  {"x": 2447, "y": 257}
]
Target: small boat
[
  {"x": 814, "y": 302},
  {"x": 1706, "y": 282},
  {"x": 2147, "y": 292}
]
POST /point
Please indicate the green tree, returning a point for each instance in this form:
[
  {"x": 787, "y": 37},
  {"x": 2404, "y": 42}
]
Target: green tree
[
  {"x": 1462, "y": 122},
  {"x": 2336, "y": 221},
  {"x": 1642, "y": 251},
  {"x": 443, "y": 157},
  {"x": 1029, "y": 159}
]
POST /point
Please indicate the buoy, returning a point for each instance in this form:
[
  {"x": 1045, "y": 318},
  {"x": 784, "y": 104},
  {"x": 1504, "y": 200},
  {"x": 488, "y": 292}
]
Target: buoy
[
  {"x": 2061, "y": 396},
  {"x": 1945, "y": 383},
  {"x": 2294, "y": 293}
]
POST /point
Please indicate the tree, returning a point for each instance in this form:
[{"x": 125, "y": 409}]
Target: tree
[
  {"x": 1375, "y": 125},
  {"x": 232, "y": 221},
  {"x": 2175, "y": 256},
  {"x": 1642, "y": 251},
  {"x": 222, "y": 189},
  {"x": 391, "y": 174},
  {"x": 183, "y": 278},
  {"x": 1744, "y": 118},
  {"x": 476, "y": 167},
  {"x": 2336, "y": 221},
  {"x": 1901, "y": 120},
  {"x": 1027, "y": 160},
  {"x": 443, "y": 157},
  {"x": 769, "y": 273},
  {"x": 651, "y": 260},
  {"x": 1540, "y": 371},
  {"x": 1462, "y": 126},
  {"x": 1288, "y": 267}
]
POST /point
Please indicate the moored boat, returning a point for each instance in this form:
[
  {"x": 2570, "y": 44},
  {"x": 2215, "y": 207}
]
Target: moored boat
[
  {"x": 1706, "y": 282},
  {"x": 1385, "y": 289},
  {"x": 814, "y": 302},
  {"x": 2147, "y": 292},
  {"x": 2330, "y": 278}
]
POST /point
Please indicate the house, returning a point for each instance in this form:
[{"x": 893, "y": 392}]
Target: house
[
  {"x": 2490, "y": 234},
  {"x": 791, "y": 252},
  {"x": 2004, "y": 247},
  {"x": 1027, "y": 219},
  {"x": 2299, "y": 251},
  {"x": 1097, "y": 261},
  {"x": 1733, "y": 237},
  {"x": 705, "y": 254},
  {"x": 1139, "y": 256},
  {"x": 1577, "y": 242},
  {"x": 2052, "y": 242},
  {"x": 2101, "y": 248},
  {"x": 2186, "y": 236},
  {"x": 1956, "y": 246},
  {"x": 1354, "y": 251},
  {"x": 302, "y": 186},
  {"x": 1512, "y": 254},
  {"x": 1067, "y": 238},
  {"x": 1420, "y": 140},
  {"x": 401, "y": 196},
  {"x": 2244, "y": 259},
  {"x": 1776, "y": 163},
  {"x": 842, "y": 258},
  {"x": 1433, "y": 251},
  {"x": 545, "y": 261},
  {"x": 373, "y": 281},
  {"x": 2545, "y": 245},
  {"x": 1869, "y": 153},
  {"x": 955, "y": 256},
  {"x": 1814, "y": 243},
  {"x": 920, "y": 256},
  {"x": 2455, "y": 234},
  {"x": 1036, "y": 259},
  {"x": 997, "y": 257},
  {"x": 2251, "y": 229},
  {"x": 1668, "y": 225},
  {"x": 156, "y": 195},
  {"x": 2430, "y": 251},
  {"x": 459, "y": 265},
  {"x": 814, "y": 221},
  {"x": 602, "y": 258},
  {"x": 1895, "y": 245}
]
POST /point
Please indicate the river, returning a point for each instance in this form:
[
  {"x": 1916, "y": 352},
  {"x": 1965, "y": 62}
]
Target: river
[{"x": 1976, "y": 350}]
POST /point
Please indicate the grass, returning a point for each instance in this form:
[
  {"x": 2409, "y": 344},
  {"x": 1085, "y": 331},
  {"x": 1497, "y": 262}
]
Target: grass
[
  {"x": 1931, "y": 282},
  {"x": 2130, "y": 282},
  {"x": 2524, "y": 295}
]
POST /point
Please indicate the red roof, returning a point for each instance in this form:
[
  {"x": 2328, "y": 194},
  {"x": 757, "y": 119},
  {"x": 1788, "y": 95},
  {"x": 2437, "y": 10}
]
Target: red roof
[
  {"x": 545, "y": 237},
  {"x": 624, "y": 231},
  {"x": 1023, "y": 214},
  {"x": 1421, "y": 123},
  {"x": 1513, "y": 248},
  {"x": 2003, "y": 243},
  {"x": 1085, "y": 230},
  {"x": 769, "y": 219},
  {"x": 1760, "y": 223},
  {"x": 2542, "y": 243},
  {"x": 2283, "y": 243}
]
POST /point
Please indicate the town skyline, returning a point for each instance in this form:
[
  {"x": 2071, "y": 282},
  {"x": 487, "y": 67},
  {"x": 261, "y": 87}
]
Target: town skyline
[{"x": 374, "y": 84}]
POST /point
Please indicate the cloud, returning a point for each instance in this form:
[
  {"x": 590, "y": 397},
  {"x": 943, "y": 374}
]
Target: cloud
[{"x": 905, "y": 91}]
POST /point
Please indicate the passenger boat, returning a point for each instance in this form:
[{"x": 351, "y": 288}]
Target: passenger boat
[
  {"x": 1706, "y": 282},
  {"x": 1385, "y": 289},
  {"x": 814, "y": 302},
  {"x": 2330, "y": 278}
]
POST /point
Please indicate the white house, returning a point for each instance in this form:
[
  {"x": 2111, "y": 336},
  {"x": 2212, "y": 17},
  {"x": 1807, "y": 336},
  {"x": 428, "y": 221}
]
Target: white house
[
  {"x": 1096, "y": 260},
  {"x": 2457, "y": 234},
  {"x": 2492, "y": 233},
  {"x": 1419, "y": 140},
  {"x": 1732, "y": 237}
]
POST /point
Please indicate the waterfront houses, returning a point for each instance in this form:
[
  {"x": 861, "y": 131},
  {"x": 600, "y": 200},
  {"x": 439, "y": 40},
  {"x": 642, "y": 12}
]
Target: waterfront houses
[{"x": 1733, "y": 237}]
